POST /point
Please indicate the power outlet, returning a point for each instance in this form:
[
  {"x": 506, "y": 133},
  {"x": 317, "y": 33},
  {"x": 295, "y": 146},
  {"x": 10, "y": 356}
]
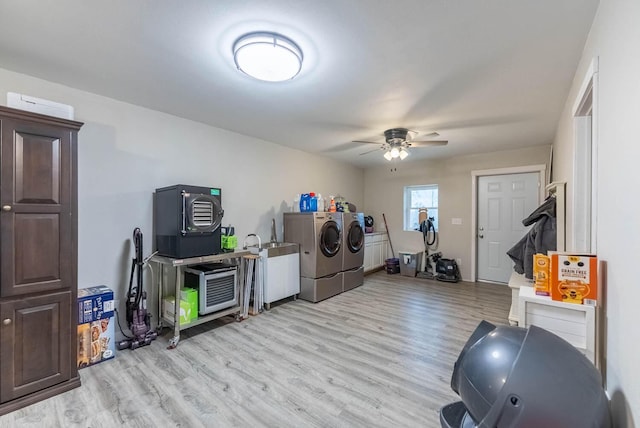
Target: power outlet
[
  {"x": 459, "y": 263},
  {"x": 116, "y": 303}
]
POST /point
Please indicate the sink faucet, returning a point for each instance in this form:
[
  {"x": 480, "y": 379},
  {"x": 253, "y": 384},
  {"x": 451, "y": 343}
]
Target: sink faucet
[
  {"x": 274, "y": 236},
  {"x": 244, "y": 245}
]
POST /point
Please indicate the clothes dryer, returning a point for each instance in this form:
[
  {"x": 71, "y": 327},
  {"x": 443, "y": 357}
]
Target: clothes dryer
[
  {"x": 319, "y": 235},
  {"x": 352, "y": 240},
  {"x": 353, "y": 250}
]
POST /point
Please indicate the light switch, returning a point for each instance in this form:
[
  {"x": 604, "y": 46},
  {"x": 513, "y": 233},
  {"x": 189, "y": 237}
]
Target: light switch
[{"x": 455, "y": 220}]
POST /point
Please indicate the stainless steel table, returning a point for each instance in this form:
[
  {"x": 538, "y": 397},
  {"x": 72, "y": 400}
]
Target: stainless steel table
[{"x": 177, "y": 265}]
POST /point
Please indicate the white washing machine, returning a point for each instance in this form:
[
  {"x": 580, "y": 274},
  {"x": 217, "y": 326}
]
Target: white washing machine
[
  {"x": 353, "y": 250},
  {"x": 319, "y": 235}
]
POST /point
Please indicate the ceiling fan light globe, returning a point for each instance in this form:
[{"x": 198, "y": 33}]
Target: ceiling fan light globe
[
  {"x": 403, "y": 154},
  {"x": 395, "y": 152},
  {"x": 387, "y": 155}
]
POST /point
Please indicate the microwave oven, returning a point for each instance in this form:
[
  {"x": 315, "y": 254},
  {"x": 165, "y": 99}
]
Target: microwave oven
[{"x": 217, "y": 285}]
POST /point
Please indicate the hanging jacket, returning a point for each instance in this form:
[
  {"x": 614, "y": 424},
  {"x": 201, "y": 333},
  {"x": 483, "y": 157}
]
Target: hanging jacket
[{"x": 539, "y": 239}]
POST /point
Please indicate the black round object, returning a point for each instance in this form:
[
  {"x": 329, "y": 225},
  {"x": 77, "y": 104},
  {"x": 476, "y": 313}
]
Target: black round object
[
  {"x": 368, "y": 221},
  {"x": 330, "y": 239},
  {"x": 355, "y": 238}
]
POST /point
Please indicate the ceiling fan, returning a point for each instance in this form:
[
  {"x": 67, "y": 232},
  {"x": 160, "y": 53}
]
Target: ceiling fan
[{"x": 399, "y": 140}]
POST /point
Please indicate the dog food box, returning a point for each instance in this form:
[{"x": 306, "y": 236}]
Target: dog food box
[
  {"x": 96, "y": 330},
  {"x": 574, "y": 278},
  {"x": 95, "y": 303},
  {"x": 541, "y": 273},
  {"x": 96, "y": 342}
]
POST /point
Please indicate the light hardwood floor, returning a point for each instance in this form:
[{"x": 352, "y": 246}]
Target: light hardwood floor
[{"x": 380, "y": 355}]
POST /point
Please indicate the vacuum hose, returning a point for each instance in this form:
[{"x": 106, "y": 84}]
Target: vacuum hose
[
  {"x": 427, "y": 227},
  {"x": 134, "y": 295},
  {"x": 138, "y": 261}
]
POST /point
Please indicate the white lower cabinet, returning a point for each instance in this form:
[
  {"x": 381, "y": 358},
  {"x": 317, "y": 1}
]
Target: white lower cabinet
[
  {"x": 375, "y": 251},
  {"x": 281, "y": 277},
  {"x": 368, "y": 256}
]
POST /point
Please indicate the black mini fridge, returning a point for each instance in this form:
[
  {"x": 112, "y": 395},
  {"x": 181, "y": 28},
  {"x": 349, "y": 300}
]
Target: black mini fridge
[{"x": 187, "y": 220}]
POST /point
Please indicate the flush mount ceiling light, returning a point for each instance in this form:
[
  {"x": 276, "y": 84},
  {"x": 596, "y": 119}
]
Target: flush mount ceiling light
[{"x": 267, "y": 56}]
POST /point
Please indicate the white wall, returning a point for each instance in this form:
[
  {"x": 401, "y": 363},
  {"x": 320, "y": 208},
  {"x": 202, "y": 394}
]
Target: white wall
[
  {"x": 125, "y": 152},
  {"x": 384, "y": 188},
  {"x": 615, "y": 40}
]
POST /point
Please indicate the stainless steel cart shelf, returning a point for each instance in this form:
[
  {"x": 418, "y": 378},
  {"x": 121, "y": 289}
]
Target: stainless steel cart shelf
[{"x": 178, "y": 265}]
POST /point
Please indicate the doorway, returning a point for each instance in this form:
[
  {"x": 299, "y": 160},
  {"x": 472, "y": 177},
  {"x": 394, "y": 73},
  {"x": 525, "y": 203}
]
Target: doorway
[{"x": 501, "y": 199}]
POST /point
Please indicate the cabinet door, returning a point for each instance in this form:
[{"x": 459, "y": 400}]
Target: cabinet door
[
  {"x": 35, "y": 338},
  {"x": 37, "y": 221},
  {"x": 282, "y": 277},
  {"x": 384, "y": 249},
  {"x": 377, "y": 255},
  {"x": 368, "y": 257}
]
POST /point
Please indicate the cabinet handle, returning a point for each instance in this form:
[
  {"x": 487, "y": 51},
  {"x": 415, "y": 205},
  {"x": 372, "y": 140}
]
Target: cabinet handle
[
  {"x": 6, "y": 321},
  {"x": 6, "y": 208}
]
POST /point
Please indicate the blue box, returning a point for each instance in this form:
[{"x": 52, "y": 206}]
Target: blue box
[{"x": 95, "y": 303}]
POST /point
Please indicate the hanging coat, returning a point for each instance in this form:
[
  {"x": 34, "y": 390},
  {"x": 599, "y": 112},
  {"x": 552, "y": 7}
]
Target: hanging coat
[{"x": 539, "y": 239}]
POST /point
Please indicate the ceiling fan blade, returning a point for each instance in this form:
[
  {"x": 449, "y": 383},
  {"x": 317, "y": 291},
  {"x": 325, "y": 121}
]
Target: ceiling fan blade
[
  {"x": 366, "y": 142},
  {"x": 411, "y": 134},
  {"x": 371, "y": 151},
  {"x": 431, "y": 135},
  {"x": 428, "y": 143}
]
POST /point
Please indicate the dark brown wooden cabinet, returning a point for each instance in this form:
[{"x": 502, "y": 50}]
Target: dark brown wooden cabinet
[
  {"x": 36, "y": 351},
  {"x": 38, "y": 257}
]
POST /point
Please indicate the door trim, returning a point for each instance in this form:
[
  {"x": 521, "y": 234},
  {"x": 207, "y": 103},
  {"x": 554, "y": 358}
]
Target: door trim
[
  {"x": 585, "y": 117},
  {"x": 540, "y": 169}
]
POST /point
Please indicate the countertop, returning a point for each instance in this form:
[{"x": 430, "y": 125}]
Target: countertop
[{"x": 201, "y": 259}]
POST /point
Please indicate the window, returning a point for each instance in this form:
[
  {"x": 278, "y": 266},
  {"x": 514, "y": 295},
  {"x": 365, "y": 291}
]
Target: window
[{"x": 416, "y": 197}]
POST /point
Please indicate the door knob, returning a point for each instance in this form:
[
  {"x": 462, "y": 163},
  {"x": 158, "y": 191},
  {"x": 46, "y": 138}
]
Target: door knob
[
  {"x": 480, "y": 235},
  {"x": 6, "y": 321},
  {"x": 6, "y": 208}
]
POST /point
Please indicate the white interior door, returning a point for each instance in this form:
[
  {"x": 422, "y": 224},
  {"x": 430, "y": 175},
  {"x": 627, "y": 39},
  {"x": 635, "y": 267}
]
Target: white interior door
[{"x": 503, "y": 202}]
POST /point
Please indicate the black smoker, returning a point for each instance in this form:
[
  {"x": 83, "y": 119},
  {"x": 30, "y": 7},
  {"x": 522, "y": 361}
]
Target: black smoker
[{"x": 187, "y": 220}]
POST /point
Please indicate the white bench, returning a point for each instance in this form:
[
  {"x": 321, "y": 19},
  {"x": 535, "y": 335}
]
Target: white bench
[{"x": 574, "y": 323}]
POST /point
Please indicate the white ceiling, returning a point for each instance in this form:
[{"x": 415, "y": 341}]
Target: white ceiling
[{"x": 487, "y": 75}]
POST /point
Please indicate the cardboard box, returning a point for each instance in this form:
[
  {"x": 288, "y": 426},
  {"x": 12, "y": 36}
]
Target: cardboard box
[
  {"x": 95, "y": 303},
  {"x": 574, "y": 278},
  {"x": 188, "y": 308},
  {"x": 190, "y": 295},
  {"x": 541, "y": 273},
  {"x": 96, "y": 342}
]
